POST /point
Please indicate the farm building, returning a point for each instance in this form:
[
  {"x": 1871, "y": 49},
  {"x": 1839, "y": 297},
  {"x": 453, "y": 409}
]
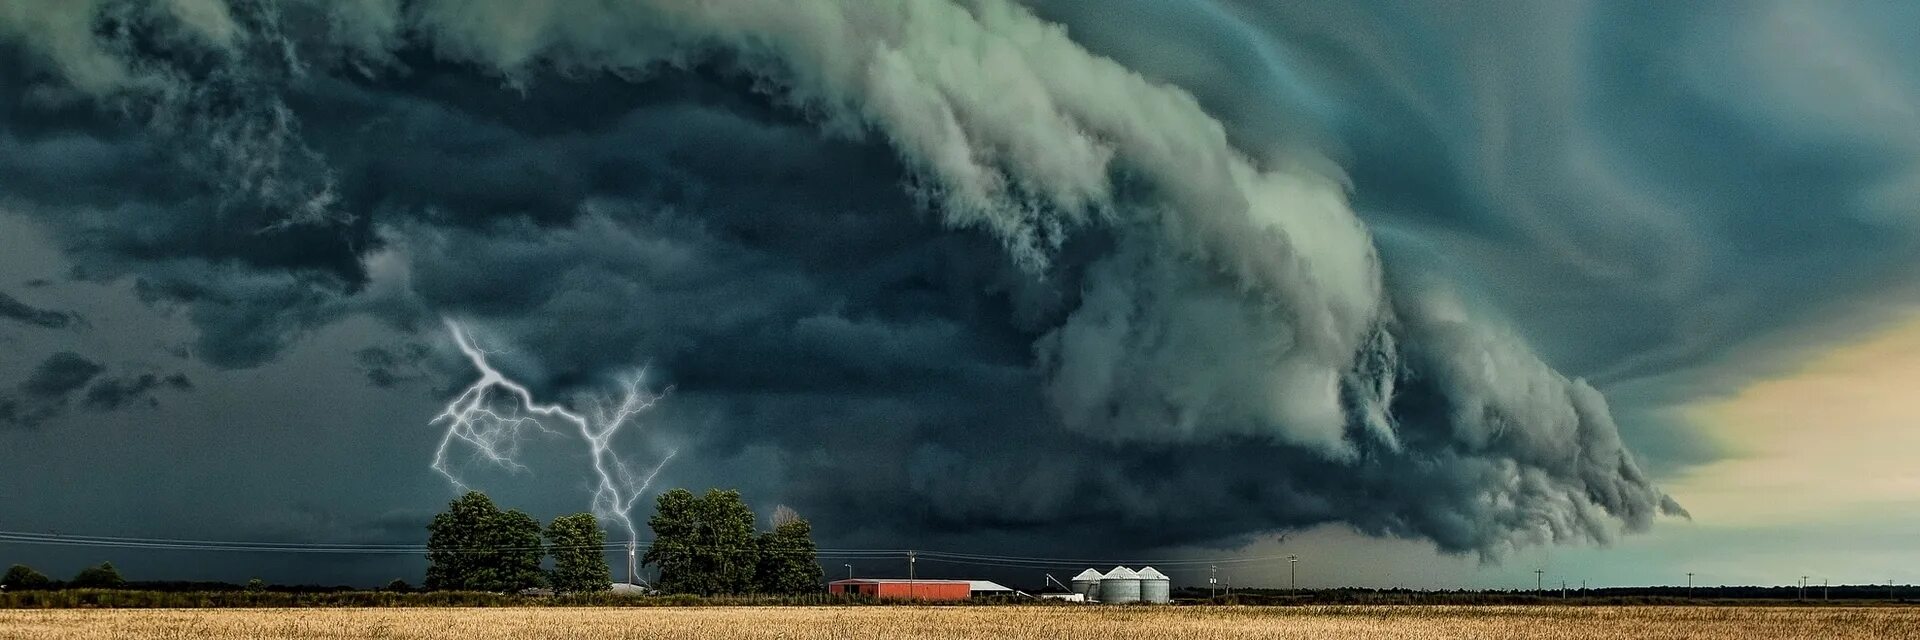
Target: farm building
[
  {"x": 920, "y": 589},
  {"x": 1123, "y": 585},
  {"x": 904, "y": 588}
]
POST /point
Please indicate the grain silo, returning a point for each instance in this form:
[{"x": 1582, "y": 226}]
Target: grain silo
[
  {"x": 1120, "y": 586},
  {"x": 1155, "y": 587},
  {"x": 1087, "y": 584}
]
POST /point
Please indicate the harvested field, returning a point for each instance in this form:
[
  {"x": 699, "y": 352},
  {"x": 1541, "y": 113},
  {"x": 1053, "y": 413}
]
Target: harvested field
[{"x": 1050, "y": 623}]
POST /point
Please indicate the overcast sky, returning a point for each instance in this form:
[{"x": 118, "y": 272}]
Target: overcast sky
[{"x": 1430, "y": 294}]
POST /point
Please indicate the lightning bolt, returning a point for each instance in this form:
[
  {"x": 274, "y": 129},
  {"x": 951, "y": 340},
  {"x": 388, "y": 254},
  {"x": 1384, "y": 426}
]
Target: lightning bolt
[{"x": 492, "y": 416}]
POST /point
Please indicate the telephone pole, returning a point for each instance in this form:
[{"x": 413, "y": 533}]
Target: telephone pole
[
  {"x": 1803, "y": 587},
  {"x": 1538, "y": 575},
  {"x": 1292, "y": 587},
  {"x": 1823, "y": 589},
  {"x": 1213, "y": 582},
  {"x": 910, "y": 578},
  {"x": 633, "y": 564},
  {"x": 1689, "y": 585}
]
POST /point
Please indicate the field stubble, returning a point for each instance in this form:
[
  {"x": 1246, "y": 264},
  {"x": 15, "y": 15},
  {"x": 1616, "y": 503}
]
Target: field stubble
[{"x": 1078, "y": 623}]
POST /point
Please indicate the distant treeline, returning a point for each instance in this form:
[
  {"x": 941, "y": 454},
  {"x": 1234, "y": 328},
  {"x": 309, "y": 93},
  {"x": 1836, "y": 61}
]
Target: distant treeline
[
  {"x": 241, "y": 598},
  {"x": 1847, "y": 594}
]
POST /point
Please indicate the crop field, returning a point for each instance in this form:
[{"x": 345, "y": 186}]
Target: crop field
[{"x": 1050, "y": 623}]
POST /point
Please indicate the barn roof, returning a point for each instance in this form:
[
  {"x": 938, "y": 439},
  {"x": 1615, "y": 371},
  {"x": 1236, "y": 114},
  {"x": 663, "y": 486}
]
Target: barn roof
[{"x": 902, "y": 581}]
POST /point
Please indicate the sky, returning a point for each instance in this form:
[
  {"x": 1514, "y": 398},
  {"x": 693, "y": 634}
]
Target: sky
[{"x": 1428, "y": 294}]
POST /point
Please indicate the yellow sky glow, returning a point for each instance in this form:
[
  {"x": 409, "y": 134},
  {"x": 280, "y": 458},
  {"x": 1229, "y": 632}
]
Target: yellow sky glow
[{"x": 1836, "y": 436}]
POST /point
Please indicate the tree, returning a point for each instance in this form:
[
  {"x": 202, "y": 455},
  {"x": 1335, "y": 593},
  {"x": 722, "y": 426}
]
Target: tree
[
  {"x": 579, "y": 556},
  {"x": 518, "y": 538},
  {"x": 399, "y": 586},
  {"x": 703, "y": 545},
  {"x": 103, "y": 576},
  {"x": 256, "y": 585},
  {"x": 787, "y": 562},
  {"x": 474, "y": 546},
  {"x": 674, "y": 524},
  {"x": 21, "y": 576}
]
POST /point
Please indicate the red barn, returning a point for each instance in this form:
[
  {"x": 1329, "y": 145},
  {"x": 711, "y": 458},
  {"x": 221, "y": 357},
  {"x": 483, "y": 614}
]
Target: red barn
[{"x": 903, "y": 588}]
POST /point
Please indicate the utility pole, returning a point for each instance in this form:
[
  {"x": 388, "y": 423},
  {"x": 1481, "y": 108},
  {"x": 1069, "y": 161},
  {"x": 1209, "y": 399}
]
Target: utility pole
[
  {"x": 1563, "y": 590},
  {"x": 1538, "y": 574},
  {"x": 1213, "y": 582},
  {"x": 1890, "y": 589},
  {"x": 1689, "y": 585},
  {"x": 1803, "y": 587},
  {"x": 849, "y": 571},
  {"x": 911, "y": 590},
  {"x": 1823, "y": 589},
  {"x": 1293, "y": 588},
  {"x": 633, "y": 565}
]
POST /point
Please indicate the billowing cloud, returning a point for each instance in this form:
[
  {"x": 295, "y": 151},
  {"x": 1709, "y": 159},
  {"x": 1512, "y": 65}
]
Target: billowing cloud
[{"x": 1057, "y": 278}]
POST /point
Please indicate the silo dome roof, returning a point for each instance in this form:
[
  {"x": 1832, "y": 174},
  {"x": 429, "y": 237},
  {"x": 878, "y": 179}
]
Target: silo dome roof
[
  {"x": 1122, "y": 573},
  {"x": 1149, "y": 573},
  {"x": 1089, "y": 574}
]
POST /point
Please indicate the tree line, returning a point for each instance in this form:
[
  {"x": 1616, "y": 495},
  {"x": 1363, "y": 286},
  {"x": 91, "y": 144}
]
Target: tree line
[
  {"x": 100, "y": 576},
  {"x": 474, "y": 546},
  {"x": 704, "y": 545}
]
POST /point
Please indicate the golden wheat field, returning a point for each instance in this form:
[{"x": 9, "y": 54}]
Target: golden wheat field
[{"x": 1050, "y": 623}]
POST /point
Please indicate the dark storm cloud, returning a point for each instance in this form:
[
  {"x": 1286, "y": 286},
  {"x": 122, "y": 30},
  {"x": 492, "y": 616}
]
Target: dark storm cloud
[
  {"x": 60, "y": 374},
  {"x": 937, "y": 269},
  {"x": 55, "y": 385},
  {"x": 110, "y": 393},
  {"x": 12, "y": 308},
  {"x": 44, "y": 394}
]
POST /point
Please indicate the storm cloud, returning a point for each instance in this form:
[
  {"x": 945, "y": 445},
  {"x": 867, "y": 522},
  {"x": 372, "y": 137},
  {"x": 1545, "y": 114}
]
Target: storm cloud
[
  {"x": 12, "y": 308},
  {"x": 57, "y": 384},
  {"x": 1059, "y": 273}
]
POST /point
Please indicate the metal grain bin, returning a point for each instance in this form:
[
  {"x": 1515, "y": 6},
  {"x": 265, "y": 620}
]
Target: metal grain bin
[
  {"x": 1087, "y": 584},
  {"x": 1155, "y": 587},
  {"x": 1120, "y": 586}
]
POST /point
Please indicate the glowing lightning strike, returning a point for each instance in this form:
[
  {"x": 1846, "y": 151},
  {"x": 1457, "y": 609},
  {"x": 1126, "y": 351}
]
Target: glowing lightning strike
[{"x": 495, "y": 435}]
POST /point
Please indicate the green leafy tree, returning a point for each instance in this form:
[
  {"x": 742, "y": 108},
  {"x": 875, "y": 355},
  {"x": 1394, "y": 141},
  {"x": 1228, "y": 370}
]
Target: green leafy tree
[
  {"x": 21, "y": 576},
  {"x": 103, "y": 576},
  {"x": 787, "y": 556},
  {"x": 256, "y": 585},
  {"x": 519, "y": 537},
  {"x": 579, "y": 558},
  {"x": 705, "y": 544},
  {"x": 399, "y": 586},
  {"x": 474, "y": 546},
  {"x": 675, "y": 524}
]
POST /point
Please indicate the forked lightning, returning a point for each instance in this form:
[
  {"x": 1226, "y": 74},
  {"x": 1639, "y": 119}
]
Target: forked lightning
[{"x": 495, "y": 434}]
